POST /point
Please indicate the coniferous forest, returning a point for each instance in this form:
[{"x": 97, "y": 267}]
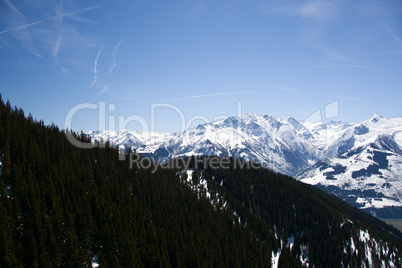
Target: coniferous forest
[{"x": 62, "y": 206}]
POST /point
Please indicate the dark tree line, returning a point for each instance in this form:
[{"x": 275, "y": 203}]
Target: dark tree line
[{"x": 60, "y": 206}]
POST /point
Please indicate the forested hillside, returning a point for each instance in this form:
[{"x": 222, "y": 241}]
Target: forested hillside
[
  {"x": 61, "y": 206},
  {"x": 311, "y": 222}
]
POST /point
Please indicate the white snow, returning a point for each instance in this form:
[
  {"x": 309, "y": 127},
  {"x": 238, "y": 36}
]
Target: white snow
[
  {"x": 378, "y": 202},
  {"x": 190, "y": 175},
  {"x": 374, "y": 136},
  {"x": 275, "y": 258},
  {"x": 365, "y": 237},
  {"x": 352, "y": 245},
  {"x": 304, "y": 256},
  {"x": 95, "y": 262},
  {"x": 373, "y": 247},
  {"x": 291, "y": 241},
  {"x": 236, "y": 214},
  {"x": 202, "y": 190},
  {"x": 398, "y": 136}
]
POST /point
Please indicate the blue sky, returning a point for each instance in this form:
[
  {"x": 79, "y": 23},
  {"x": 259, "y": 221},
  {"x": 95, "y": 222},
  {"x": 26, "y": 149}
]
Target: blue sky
[{"x": 275, "y": 57}]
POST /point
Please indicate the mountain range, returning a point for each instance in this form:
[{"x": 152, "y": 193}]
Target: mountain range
[
  {"x": 67, "y": 206},
  {"x": 360, "y": 163}
]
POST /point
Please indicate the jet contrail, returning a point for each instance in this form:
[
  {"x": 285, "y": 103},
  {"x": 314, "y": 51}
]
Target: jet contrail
[{"x": 56, "y": 17}]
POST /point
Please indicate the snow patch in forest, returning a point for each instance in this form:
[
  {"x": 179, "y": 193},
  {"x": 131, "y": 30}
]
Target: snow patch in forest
[
  {"x": 275, "y": 258},
  {"x": 95, "y": 262},
  {"x": 201, "y": 188}
]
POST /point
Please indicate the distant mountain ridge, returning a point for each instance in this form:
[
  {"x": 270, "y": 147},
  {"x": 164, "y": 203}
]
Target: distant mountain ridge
[{"x": 361, "y": 163}]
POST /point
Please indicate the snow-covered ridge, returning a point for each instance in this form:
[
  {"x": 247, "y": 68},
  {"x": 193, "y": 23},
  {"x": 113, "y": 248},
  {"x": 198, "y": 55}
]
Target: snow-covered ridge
[
  {"x": 126, "y": 137},
  {"x": 282, "y": 144},
  {"x": 364, "y": 166},
  {"x": 362, "y": 160}
]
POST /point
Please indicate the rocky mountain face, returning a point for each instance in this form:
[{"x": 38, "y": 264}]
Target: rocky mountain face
[
  {"x": 361, "y": 163},
  {"x": 364, "y": 167}
]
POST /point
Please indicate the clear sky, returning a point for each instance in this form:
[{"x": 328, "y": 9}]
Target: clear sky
[{"x": 278, "y": 58}]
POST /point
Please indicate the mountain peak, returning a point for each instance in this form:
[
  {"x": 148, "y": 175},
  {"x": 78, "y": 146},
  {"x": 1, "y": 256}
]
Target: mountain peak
[
  {"x": 296, "y": 124},
  {"x": 376, "y": 117}
]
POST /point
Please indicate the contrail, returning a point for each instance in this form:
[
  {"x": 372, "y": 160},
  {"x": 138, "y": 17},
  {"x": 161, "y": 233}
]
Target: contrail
[
  {"x": 114, "y": 63},
  {"x": 96, "y": 59},
  {"x": 53, "y": 17},
  {"x": 56, "y": 48},
  {"x": 105, "y": 88},
  {"x": 10, "y": 5},
  {"x": 392, "y": 34},
  {"x": 95, "y": 66}
]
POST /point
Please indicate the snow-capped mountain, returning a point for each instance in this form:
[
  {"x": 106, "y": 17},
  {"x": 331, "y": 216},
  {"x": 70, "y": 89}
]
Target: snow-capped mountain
[
  {"x": 361, "y": 162},
  {"x": 127, "y": 138},
  {"x": 364, "y": 167},
  {"x": 281, "y": 144}
]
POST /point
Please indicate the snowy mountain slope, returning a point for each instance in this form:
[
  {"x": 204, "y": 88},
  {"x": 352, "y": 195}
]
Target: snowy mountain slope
[
  {"x": 322, "y": 135},
  {"x": 278, "y": 143},
  {"x": 364, "y": 167},
  {"x": 282, "y": 144},
  {"x": 128, "y": 138},
  {"x": 264, "y": 139},
  {"x": 361, "y": 163}
]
